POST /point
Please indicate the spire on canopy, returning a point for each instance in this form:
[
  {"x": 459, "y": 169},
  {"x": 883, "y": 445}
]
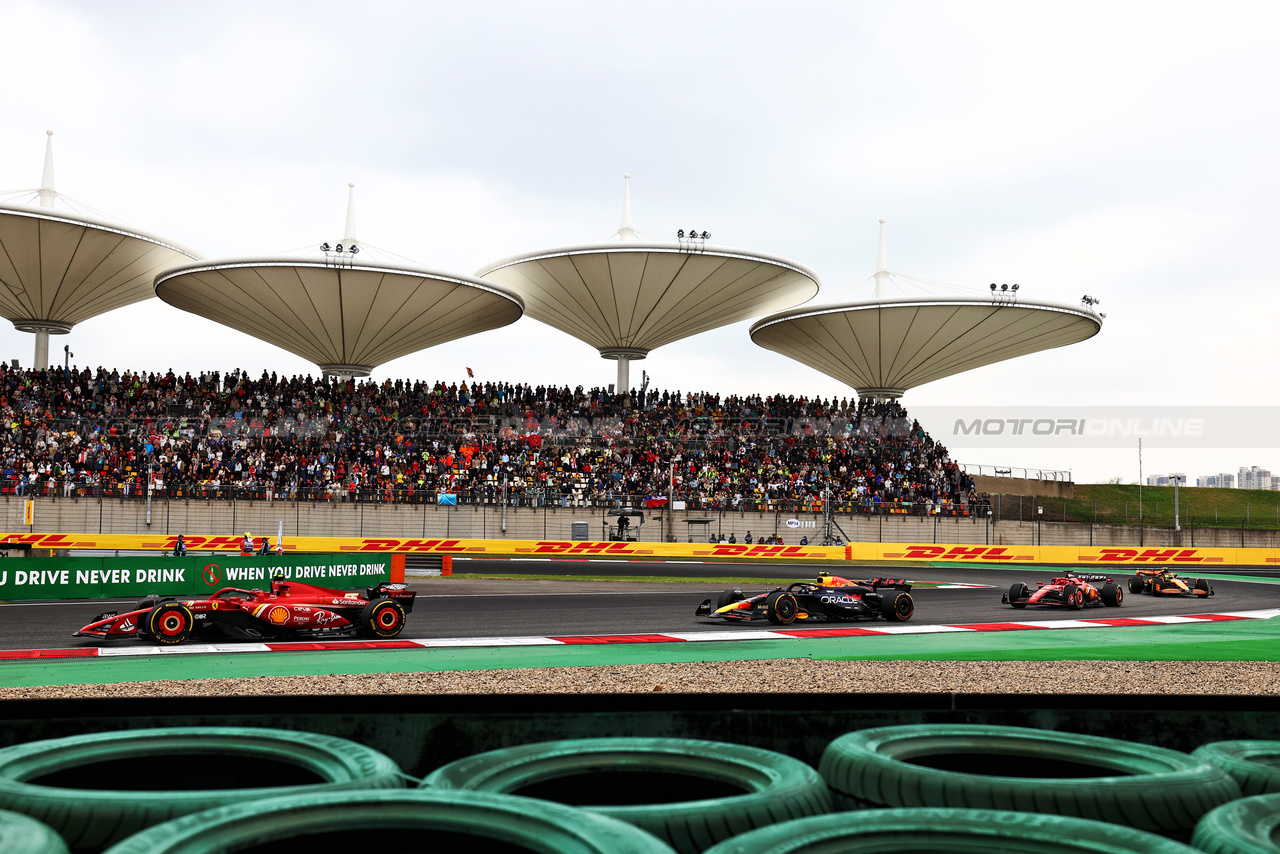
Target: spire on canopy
[{"x": 47, "y": 193}]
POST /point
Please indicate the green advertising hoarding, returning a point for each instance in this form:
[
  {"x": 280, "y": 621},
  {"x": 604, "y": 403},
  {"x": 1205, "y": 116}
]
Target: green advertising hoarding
[
  {"x": 338, "y": 571},
  {"x": 33, "y": 579}
]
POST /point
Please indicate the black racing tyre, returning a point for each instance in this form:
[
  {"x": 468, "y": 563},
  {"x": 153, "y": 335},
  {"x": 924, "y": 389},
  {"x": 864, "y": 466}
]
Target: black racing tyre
[
  {"x": 1025, "y": 770},
  {"x": 1074, "y": 598},
  {"x": 1203, "y": 584},
  {"x": 92, "y": 789},
  {"x": 1247, "y": 826},
  {"x": 782, "y": 608},
  {"x": 897, "y": 607},
  {"x": 1135, "y": 584},
  {"x": 169, "y": 623},
  {"x": 728, "y": 597},
  {"x": 20, "y": 834},
  {"x": 382, "y": 618},
  {"x": 1253, "y": 764},
  {"x": 1016, "y": 592},
  {"x": 961, "y": 831},
  {"x": 1112, "y": 595},
  {"x": 405, "y": 820},
  {"x": 687, "y": 792}
]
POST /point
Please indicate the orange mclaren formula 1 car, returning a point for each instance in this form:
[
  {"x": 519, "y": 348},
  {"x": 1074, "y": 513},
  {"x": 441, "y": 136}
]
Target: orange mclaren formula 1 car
[
  {"x": 1161, "y": 582},
  {"x": 829, "y": 598},
  {"x": 290, "y": 609},
  {"x": 1067, "y": 591}
]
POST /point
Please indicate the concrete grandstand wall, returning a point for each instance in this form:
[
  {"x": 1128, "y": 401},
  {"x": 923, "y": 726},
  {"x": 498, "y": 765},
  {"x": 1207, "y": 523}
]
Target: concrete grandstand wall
[{"x": 341, "y": 519}]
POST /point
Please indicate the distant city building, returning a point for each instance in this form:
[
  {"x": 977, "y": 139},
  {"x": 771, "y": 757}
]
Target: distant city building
[
  {"x": 1256, "y": 478},
  {"x": 1166, "y": 479},
  {"x": 1217, "y": 481}
]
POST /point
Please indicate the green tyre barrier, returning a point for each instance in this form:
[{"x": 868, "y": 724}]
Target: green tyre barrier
[
  {"x": 1024, "y": 770},
  {"x": 1246, "y": 826},
  {"x": 953, "y": 831},
  {"x": 404, "y": 820},
  {"x": 1254, "y": 765},
  {"x": 97, "y": 789},
  {"x": 20, "y": 834},
  {"x": 690, "y": 793}
]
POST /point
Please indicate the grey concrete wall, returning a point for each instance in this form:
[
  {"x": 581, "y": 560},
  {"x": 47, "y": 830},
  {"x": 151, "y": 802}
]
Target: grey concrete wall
[
  {"x": 1023, "y": 486},
  {"x": 262, "y": 518}
]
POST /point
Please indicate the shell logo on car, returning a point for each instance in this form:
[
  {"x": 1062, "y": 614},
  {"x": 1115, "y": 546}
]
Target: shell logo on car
[{"x": 278, "y": 615}]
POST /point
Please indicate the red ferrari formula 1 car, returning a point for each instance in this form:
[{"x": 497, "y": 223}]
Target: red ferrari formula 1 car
[
  {"x": 288, "y": 609},
  {"x": 1068, "y": 591},
  {"x": 1162, "y": 582}
]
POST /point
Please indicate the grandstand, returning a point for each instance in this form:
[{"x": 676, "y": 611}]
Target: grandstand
[{"x": 81, "y": 432}]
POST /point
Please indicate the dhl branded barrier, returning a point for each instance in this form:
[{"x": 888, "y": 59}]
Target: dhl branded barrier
[
  {"x": 1076, "y": 556},
  {"x": 909, "y": 552},
  {"x": 130, "y": 577}
]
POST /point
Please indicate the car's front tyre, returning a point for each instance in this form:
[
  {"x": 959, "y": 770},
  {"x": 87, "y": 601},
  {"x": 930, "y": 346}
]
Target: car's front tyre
[{"x": 169, "y": 623}]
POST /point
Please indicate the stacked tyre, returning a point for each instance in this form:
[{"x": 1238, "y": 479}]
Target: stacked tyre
[
  {"x": 1025, "y": 770},
  {"x": 687, "y": 792}
]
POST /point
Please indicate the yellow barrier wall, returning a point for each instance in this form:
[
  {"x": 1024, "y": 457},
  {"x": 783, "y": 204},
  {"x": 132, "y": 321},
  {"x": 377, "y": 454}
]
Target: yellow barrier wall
[{"x": 1081, "y": 556}]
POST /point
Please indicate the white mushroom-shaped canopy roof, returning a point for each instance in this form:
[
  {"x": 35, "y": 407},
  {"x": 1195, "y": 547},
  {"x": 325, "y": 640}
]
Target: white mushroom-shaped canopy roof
[
  {"x": 883, "y": 347},
  {"x": 629, "y": 295},
  {"x": 346, "y": 318},
  {"x": 643, "y": 295},
  {"x": 59, "y": 267}
]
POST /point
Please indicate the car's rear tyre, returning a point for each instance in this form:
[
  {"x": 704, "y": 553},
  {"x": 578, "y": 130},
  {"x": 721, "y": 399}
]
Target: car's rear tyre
[
  {"x": 1016, "y": 592},
  {"x": 1247, "y": 826},
  {"x": 68, "y": 783},
  {"x": 20, "y": 834},
  {"x": 898, "y": 606},
  {"x": 169, "y": 623},
  {"x": 712, "y": 790},
  {"x": 382, "y": 618},
  {"x": 956, "y": 831},
  {"x": 1135, "y": 584},
  {"x": 782, "y": 608},
  {"x": 728, "y": 597},
  {"x": 1202, "y": 584},
  {"x": 1254, "y": 764},
  {"x": 1026, "y": 770},
  {"x": 1112, "y": 595},
  {"x": 414, "y": 820}
]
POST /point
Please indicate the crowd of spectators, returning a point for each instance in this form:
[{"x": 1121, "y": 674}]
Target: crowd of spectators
[{"x": 109, "y": 432}]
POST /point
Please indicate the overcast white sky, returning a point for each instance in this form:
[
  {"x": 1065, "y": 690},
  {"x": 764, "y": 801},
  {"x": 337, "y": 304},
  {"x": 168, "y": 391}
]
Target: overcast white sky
[{"x": 1124, "y": 150}]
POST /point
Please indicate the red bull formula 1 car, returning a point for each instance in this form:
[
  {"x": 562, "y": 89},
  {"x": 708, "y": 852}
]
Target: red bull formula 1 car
[
  {"x": 1162, "y": 582},
  {"x": 288, "y": 609},
  {"x": 829, "y": 598},
  {"x": 1068, "y": 591}
]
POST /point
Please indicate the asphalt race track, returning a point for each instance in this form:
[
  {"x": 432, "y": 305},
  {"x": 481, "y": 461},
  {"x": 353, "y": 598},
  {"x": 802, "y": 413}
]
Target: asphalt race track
[{"x": 493, "y": 607}]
